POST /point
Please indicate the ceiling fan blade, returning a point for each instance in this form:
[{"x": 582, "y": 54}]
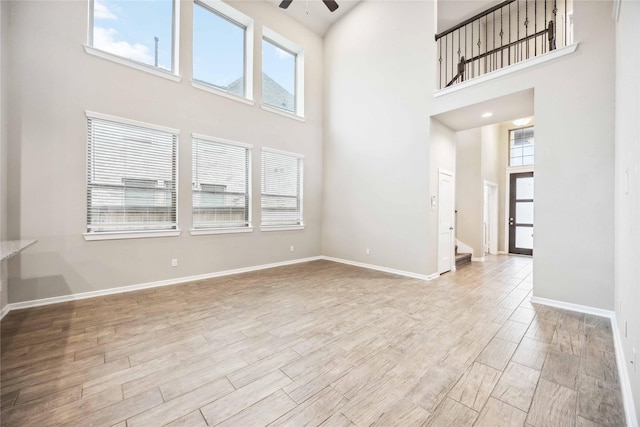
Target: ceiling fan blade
[
  {"x": 285, "y": 4},
  {"x": 331, "y": 5}
]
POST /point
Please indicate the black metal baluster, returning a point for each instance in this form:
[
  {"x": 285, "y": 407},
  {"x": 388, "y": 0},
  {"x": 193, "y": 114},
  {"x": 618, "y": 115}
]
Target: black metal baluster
[
  {"x": 526, "y": 25},
  {"x": 465, "y": 49},
  {"x": 535, "y": 27},
  {"x": 544, "y": 45},
  {"x": 501, "y": 41},
  {"x": 486, "y": 42},
  {"x": 440, "y": 63},
  {"x": 555, "y": 20},
  {"x": 518, "y": 47},
  {"x": 446, "y": 76},
  {"x": 479, "y": 44},
  {"x": 564, "y": 36},
  {"x": 472, "y": 71},
  {"x": 509, "y": 50}
]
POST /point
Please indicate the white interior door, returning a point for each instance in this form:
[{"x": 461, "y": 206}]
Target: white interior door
[{"x": 446, "y": 261}]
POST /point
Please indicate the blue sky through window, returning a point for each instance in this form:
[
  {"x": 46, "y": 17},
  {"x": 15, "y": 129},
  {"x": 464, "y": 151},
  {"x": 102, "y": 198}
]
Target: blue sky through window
[
  {"x": 218, "y": 49},
  {"x": 280, "y": 65},
  {"x": 128, "y": 28}
]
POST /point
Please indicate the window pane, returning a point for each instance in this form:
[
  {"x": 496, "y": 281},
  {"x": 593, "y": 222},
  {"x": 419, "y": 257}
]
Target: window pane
[
  {"x": 218, "y": 51},
  {"x": 278, "y": 76},
  {"x": 131, "y": 177},
  {"x": 521, "y": 142},
  {"x": 220, "y": 193},
  {"x": 281, "y": 189},
  {"x": 137, "y": 30}
]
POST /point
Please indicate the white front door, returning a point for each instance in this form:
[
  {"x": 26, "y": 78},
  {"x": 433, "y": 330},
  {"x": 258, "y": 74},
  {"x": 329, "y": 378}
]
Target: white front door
[{"x": 446, "y": 261}]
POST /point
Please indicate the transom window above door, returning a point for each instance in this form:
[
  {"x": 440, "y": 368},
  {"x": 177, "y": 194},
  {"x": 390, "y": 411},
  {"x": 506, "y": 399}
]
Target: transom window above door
[{"x": 521, "y": 147}]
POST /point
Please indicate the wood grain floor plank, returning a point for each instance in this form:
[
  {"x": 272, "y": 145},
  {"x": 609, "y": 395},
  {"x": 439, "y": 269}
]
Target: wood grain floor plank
[
  {"x": 517, "y": 386},
  {"x": 475, "y": 387},
  {"x": 244, "y": 397},
  {"x": 316, "y": 343},
  {"x": 452, "y": 413},
  {"x": 553, "y": 404},
  {"x": 262, "y": 412},
  {"x": 499, "y": 414},
  {"x": 183, "y": 405}
]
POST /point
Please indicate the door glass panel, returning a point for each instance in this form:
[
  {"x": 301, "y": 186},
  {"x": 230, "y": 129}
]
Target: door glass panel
[
  {"x": 524, "y": 237},
  {"x": 524, "y": 212},
  {"x": 524, "y": 188}
]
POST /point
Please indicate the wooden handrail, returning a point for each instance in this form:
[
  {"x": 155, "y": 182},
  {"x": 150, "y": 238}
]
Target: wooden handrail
[{"x": 474, "y": 18}]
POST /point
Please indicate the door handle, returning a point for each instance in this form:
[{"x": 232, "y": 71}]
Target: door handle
[{"x": 451, "y": 228}]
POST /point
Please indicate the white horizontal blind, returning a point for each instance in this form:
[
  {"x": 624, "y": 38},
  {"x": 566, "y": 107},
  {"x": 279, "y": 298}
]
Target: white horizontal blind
[
  {"x": 282, "y": 176},
  {"x": 131, "y": 176},
  {"x": 221, "y": 184}
]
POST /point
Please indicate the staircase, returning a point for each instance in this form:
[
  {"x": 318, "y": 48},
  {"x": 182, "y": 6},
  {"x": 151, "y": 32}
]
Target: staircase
[{"x": 462, "y": 259}]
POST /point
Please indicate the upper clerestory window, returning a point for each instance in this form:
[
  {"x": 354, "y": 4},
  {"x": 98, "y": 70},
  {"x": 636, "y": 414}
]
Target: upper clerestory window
[
  {"x": 143, "y": 33},
  {"x": 222, "y": 49},
  {"x": 282, "y": 74}
]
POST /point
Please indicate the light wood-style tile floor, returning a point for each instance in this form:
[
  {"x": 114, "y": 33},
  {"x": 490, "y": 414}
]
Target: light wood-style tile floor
[{"x": 318, "y": 343}]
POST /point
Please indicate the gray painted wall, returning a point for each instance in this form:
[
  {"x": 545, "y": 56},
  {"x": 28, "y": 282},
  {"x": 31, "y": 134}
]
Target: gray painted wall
[
  {"x": 376, "y": 153},
  {"x": 52, "y": 81},
  {"x": 627, "y": 130},
  {"x": 469, "y": 189}
]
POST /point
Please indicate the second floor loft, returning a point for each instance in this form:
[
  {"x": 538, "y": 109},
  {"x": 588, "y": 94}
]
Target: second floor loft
[{"x": 500, "y": 36}]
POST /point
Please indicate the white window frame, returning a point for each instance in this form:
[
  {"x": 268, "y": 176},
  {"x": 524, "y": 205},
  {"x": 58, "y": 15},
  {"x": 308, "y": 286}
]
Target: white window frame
[
  {"x": 173, "y": 75},
  {"x": 227, "y": 230},
  {"x": 134, "y": 234},
  {"x": 231, "y": 14},
  {"x": 532, "y": 126},
  {"x": 275, "y": 38},
  {"x": 300, "y": 196}
]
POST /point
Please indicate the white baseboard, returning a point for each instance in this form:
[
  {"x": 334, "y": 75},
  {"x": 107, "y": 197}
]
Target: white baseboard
[
  {"x": 379, "y": 268},
  {"x": 436, "y": 275},
  {"x": 625, "y": 384},
  {"x": 479, "y": 259},
  {"x": 122, "y": 289}
]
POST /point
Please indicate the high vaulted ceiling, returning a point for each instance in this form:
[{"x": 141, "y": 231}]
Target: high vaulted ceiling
[{"x": 314, "y": 14}]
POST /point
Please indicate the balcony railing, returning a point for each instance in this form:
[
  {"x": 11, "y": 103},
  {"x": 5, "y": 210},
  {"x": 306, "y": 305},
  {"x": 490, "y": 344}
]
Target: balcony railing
[{"x": 503, "y": 35}]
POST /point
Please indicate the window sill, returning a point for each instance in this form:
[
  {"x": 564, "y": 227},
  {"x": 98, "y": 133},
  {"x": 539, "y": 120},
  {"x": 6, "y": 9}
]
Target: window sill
[
  {"x": 132, "y": 64},
  {"x": 118, "y": 235},
  {"x": 283, "y": 113},
  {"x": 211, "y": 89},
  {"x": 281, "y": 227},
  {"x": 206, "y": 231}
]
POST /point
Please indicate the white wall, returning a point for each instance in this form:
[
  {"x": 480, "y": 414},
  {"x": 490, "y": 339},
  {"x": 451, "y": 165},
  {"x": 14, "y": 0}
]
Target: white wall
[
  {"x": 627, "y": 130},
  {"x": 442, "y": 155},
  {"x": 469, "y": 189},
  {"x": 574, "y": 160},
  {"x": 378, "y": 83},
  {"x": 52, "y": 81}
]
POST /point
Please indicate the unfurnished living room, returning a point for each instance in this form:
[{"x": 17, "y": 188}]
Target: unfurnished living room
[{"x": 319, "y": 212}]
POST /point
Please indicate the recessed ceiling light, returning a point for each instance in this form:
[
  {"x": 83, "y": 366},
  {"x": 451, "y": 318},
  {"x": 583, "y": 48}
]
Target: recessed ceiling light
[
  {"x": 522, "y": 122},
  {"x": 487, "y": 114}
]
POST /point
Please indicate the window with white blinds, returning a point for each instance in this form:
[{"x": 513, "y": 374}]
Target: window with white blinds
[
  {"x": 282, "y": 182},
  {"x": 131, "y": 176},
  {"x": 221, "y": 185}
]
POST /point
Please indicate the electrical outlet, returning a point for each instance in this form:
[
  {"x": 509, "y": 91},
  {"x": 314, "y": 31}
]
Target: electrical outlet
[
  {"x": 292, "y": 248},
  {"x": 174, "y": 262},
  {"x": 367, "y": 251}
]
